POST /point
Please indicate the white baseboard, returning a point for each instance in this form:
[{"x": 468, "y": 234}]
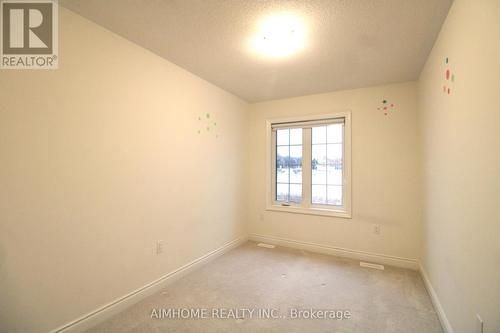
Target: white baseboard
[
  {"x": 337, "y": 251},
  {"x": 106, "y": 311},
  {"x": 435, "y": 301}
]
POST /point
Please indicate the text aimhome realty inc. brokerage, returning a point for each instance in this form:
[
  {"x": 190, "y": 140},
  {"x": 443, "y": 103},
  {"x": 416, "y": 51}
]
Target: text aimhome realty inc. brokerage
[{"x": 244, "y": 313}]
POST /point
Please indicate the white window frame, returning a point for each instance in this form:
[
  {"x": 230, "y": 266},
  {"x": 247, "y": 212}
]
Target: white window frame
[{"x": 306, "y": 206}]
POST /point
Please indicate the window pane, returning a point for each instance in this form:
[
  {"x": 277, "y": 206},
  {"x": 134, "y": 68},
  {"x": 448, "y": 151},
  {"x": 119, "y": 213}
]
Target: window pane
[
  {"x": 295, "y": 193},
  {"x": 319, "y": 174},
  {"x": 319, "y": 135},
  {"x": 282, "y": 160},
  {"x": 296, "y": 155},
  {"x": 282, "y": 175},
  {"x": 319, "y": 194},
  {"x": 296, "y": 175},
  {"x": 296, "y": 136},
  {"x": 282, "y": 157},
  {"x": 295, "y": 164},
  {"x": 334, "y": 175},
  {"x": 334, "y": 152},
  {"x": 282, "y": 192},
  {"x": 335, "y": 195},
  {"x": 318, "y": 154},
  {"x": 282, "y": 137},
  {"x": 326, "y": 170},
  {"x": 289, "y": 165},
  {"x": 334, "y": 133}
]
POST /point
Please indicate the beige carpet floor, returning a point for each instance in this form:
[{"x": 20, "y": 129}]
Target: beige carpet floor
[{"x": 277, "y": 283}]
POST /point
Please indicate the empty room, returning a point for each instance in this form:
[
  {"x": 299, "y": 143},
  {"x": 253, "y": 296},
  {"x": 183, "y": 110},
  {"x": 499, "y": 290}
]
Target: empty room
[{"x": 327, "y": 166}]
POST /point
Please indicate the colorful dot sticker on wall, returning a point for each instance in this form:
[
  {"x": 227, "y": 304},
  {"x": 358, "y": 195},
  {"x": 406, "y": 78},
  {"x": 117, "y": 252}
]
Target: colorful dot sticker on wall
[
  {"x": 386, "y": 106},
  {"x": 448, "y": 76},
  {"x": 207, "y": 125}
]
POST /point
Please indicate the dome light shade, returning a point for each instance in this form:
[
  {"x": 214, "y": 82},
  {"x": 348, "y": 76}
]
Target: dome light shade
[{"x": 279, "y": 36}]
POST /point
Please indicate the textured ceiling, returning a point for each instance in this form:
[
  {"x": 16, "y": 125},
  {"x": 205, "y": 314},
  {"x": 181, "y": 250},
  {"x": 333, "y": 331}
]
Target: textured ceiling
[{"x": 350, "y": 44}]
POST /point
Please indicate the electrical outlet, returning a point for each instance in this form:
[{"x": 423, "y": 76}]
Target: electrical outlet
[
  {"x": 159, "y": 247},
  {"x": 479, "y": 324},
  {"x": 376, "y": 229}
]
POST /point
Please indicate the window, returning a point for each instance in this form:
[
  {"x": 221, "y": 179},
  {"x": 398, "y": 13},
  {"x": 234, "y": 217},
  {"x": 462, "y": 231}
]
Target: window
[
  {"x": 309, "y": 165},
  {"x": 289, "y": 165}
]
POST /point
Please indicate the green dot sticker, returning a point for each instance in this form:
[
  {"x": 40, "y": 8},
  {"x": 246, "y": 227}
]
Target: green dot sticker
[{"x": 207, "y": 125}]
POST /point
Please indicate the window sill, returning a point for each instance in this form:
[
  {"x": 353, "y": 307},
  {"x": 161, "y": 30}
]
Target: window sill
[{"x": 309, "y": 211}]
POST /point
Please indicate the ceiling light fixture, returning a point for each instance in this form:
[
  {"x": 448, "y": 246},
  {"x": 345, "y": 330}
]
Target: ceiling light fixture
[{"x": 279, "y": 36}]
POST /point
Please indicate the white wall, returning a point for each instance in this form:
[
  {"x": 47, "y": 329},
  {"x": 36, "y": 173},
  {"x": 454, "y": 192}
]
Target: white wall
[
  {"x": 385, "y": 183},
  {"x": 100, "y": 159},
  {"x": 460, "y": 138}
]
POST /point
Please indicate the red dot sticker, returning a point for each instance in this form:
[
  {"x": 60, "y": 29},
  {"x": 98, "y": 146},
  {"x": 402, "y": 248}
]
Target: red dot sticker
[{"x": 447, "y": 74}]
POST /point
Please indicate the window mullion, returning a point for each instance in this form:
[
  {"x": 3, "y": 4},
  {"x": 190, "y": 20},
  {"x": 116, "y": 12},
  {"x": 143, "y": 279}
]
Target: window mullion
[
  {"x": 306, "y": 167},
  {"x": 273, "y": 166},
  {"x": 288, "y": 165}
]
